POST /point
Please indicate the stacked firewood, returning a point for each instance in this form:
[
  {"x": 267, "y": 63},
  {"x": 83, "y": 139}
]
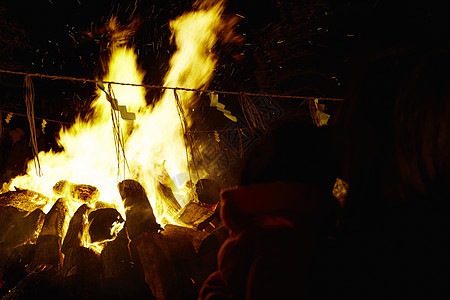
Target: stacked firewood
[{"x": 48, "y": 255}]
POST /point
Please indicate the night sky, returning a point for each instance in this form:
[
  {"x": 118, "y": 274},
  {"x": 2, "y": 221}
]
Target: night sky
[{"x": 303, "y": 48}]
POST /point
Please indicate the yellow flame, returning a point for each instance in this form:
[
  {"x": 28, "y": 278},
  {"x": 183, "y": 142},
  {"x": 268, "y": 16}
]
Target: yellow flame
[{"x": 154, "y": 143}]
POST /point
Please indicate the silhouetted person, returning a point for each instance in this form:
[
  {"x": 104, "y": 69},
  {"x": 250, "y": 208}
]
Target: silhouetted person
[
  {"x": 392, "y": 138},
  {"x": 278, "y": 216}
]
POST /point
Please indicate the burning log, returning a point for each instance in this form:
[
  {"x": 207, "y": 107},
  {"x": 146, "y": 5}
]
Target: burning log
[
  {"x": 208, "y": 191},
  {"x": 43, "y": 284},
  {"x": 13, "y": 269},
  {"x": 82, "y": 192},
  {"x": 169, "y": 202},
  {"x": 122, "y": 280},
  {"x": 23, "y": 199},
  {"x": 164, "y": 187},
  {"x": 161, "y": 274},
  {"x": 207, "y": 254},
  {"x": 76, "y": 228},
  {"x": 56, "y": 219},
  {"x": 197, "y": 211},
  {"x": 115, "y": 257},
  {"x": 81, "y": 269},
  {"x": 23, "y": 230},
  {"x": 194, "y": 214},
  {"x": 183, "y": 242},
  {"x": 103, "y": 223},
  {"x": 19, "y": 230},
  {"x": 101, "y": 204},
  {"x": 82, "y": 274},
  {"x": 8, "y": 214},
  {"x": 48, "y": 244},
  {"x": 139, "y": 213}
]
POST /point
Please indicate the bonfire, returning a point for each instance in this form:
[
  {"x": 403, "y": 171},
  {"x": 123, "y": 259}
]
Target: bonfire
[{"x": 120, "y": 211}]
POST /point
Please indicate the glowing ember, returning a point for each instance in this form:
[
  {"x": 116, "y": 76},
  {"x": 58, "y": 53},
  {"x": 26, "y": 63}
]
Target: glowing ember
[{"x": 153, "y": 143}]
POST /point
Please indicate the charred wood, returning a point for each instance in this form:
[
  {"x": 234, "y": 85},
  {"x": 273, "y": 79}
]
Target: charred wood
[
  {"x": 23, "y": 199},
  {"x": 101, "y": 222},
  {"x": 161, "y": 273},
  {"x": 116, "y": 258},
  {"x": 43, "y": 284},
  {"x": 56, "y": 220},
  {"x": 139, "y": 213},
  {"x": 48, "y": 253},
  {"x": 82, "y": 274},
  {"x": 24, "y": 230},
  {"x": 208, "y": 191},
  {"x": 8, "y": 215},
  {"x": 183, "y": 243},
  {"x": 201, "y": 210},
  {"x": 193, "y": 214},
  {"x": 101, "y": 204},
  {"x": 48, "y": 244},
  {"x": 213, "y": 241},
  {"x": 82, "y": 192},
  {"x": 183, "y": 240},
  {"x": 76, "y": 228},
  {"x": 150, "y": 247},
  {"x": 168, "y": 201},
  {"x": 13, "y": 269},
  {"x": 211, "y": 223},
  {"x": 160, "y": 174},
  {"x": 122, "y": 279},
  {"x": 207, "y": 255}
]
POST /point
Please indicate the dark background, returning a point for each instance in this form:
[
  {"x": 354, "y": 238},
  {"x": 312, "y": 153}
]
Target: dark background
[{"x": 306, "y": 48}]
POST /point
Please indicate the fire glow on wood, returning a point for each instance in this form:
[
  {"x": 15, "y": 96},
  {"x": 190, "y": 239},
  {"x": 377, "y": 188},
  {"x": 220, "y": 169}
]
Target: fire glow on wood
[
  {"x": 77, "y": 209},
  {"x": 154, "y": 144}
]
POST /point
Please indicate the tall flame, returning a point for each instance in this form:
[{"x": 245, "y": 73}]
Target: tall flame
[{"x": 154, "y": 144}]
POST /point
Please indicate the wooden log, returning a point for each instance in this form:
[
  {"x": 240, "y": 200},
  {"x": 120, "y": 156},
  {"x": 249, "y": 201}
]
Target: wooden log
[
  {"x": 82, "y": 274},
  {"x": 74, "y": 235},
  {"x": 40, "y": 284},
  {"x": 101, "y": 221},
  {"x": 116, "y": 258},
  {"x": 183, "y": 243},
  {"x": 48, "y": 244},
  {"x": 152, "y": 250},
  {"x": 23, "y": 230},
  {"x": 180, "y": 245},
  {"x": 122, "y": 280},
  {"x": 201, "y": 209},
  {"x": 138, "y": 211},
  {"x": 213, "y": 222},
  {"x": 160, "y": 174},
  {"x": 13, "y": 269},
  {"x": 55, "y": 222},
  {"x": 101, "y": 204},
  {"x": 208, "y": 191},
  {"x": 193, "y": 214},
  {"x": 8, "y": 214},
  {"x": 183, "y": 239},
  {"x": 24, "y": 199},
  {"x": 48, "y": 253},
  {"x": 81, "y": 269},
  {"x": 82, "y": 192},
  {"x": 167, "y": 199},
  {"x": 213, "y": 241},
  {"x": 207, "y": 255},
  {"x": 161, "y": 273}
]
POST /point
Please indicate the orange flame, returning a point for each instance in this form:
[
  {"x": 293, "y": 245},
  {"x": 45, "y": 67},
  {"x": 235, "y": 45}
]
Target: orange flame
[{"x": 154, "y": 143}]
